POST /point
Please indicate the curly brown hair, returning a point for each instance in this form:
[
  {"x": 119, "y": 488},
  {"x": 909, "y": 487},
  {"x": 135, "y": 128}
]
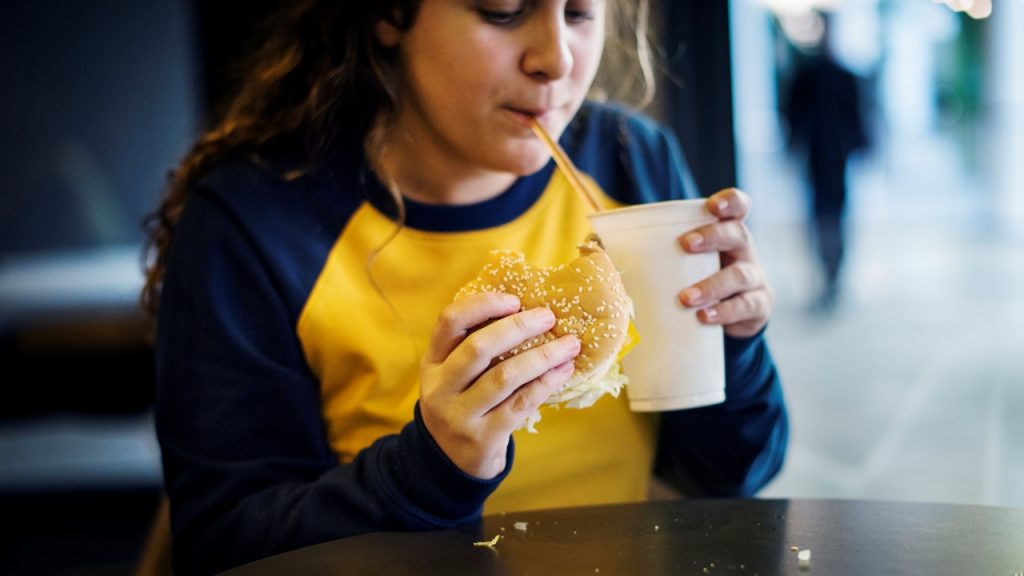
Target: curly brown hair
[{"x": 322, "y": 82}]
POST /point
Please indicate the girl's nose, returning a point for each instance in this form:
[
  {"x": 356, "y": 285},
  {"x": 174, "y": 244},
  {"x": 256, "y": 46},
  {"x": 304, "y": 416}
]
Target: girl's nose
[{"x": 548, "y": 56}]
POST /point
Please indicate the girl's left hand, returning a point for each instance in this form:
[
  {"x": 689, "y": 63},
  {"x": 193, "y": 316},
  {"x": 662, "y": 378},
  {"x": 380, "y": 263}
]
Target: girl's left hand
[{"x": 737, "y": 296}]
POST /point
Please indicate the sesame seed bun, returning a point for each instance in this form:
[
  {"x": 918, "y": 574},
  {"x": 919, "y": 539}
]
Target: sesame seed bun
[{"x": 588, "y": 300}]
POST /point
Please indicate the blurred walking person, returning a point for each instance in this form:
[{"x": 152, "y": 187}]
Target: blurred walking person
[{"x": 826, "y": 126}]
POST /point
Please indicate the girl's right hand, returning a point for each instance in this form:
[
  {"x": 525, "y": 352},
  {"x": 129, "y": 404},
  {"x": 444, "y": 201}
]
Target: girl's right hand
[{"x": 470, "y": 406}]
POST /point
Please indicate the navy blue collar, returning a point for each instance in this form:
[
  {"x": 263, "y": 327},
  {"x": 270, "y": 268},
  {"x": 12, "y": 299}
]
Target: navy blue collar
[{"x": 499, "y": 210}]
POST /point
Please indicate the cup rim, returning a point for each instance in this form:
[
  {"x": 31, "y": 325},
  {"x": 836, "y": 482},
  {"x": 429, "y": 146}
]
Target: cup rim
[{"x": 656, "y": 213}]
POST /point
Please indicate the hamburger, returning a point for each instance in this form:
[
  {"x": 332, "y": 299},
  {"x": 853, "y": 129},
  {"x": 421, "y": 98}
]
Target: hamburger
[{"x": 588, "y": 300}]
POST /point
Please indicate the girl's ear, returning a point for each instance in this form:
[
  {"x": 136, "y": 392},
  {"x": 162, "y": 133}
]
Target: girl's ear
[{"x": 387, "y": 33}]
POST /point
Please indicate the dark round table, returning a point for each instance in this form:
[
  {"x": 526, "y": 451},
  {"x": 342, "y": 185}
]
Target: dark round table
[{"x": 697, "y": 536}]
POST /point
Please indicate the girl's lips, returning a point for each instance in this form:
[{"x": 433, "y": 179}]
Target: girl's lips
[
  {"x": 524, "y": 117},
  {"x": 527, "y": 115}
]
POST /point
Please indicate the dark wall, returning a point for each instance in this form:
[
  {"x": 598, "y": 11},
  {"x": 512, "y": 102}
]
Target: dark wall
[
  {"x": 697, "y": 95},
  {"x": 225, "y": 31},
  {"x": 97, "y": 364},
  {"x": 91, "y": 532},
  {"x": 96, "y": 104}
]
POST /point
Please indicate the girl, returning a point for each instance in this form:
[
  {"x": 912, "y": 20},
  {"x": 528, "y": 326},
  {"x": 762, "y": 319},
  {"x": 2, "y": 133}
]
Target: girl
[{"x": 315, "y": 380}]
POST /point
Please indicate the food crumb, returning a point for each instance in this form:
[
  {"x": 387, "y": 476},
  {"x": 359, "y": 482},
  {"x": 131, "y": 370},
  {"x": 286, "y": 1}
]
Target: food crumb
[
  {"x": 520, "y": 526},
  {"x": 794, "y": 548},
  {"x": 488, "y": 543},
  {"x": 804, "y": 559}
]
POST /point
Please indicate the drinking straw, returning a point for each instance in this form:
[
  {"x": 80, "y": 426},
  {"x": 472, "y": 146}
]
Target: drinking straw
[{"x": 570, "y": 171}]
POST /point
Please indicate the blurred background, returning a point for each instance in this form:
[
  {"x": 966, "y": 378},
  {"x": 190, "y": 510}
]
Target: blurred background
[
  {"x": 903, "y": 366},
  {"x": 909, "y": 383}
]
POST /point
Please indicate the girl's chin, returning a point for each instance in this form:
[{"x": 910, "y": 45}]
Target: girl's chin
[{"x": 531, "y": 159}]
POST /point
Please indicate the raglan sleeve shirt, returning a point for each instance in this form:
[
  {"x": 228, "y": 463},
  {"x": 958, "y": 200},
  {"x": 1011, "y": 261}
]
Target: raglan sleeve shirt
[{"x": 246, "y": 462}]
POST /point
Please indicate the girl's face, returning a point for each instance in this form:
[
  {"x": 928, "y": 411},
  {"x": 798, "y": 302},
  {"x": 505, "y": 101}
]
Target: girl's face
[{"x": 477, "y": 71}]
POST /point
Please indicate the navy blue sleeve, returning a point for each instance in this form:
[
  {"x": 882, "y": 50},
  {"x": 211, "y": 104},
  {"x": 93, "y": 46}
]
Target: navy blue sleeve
[
  {"x": 247, "y": 466},
  {"x": 731, "y": 449},
  {"x": 736, "y": 447},
  {"x": 634, "y": 159}
]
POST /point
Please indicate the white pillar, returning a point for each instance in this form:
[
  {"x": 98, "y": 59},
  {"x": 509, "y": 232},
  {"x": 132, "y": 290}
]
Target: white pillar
[
  {"x": 760, "y": 154},
  {"x": 1003, "y": 153}
]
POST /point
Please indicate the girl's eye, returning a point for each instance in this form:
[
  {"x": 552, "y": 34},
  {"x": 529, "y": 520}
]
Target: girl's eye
[
  {"x": 575, "y": 13},
  {"x": 578, "y": 16},
  {"x": 499, "y": 17},
  {"x": 581, "y": 11}
]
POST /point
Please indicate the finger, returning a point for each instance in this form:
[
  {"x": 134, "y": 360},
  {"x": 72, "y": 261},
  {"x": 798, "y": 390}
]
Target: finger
[
  {"x": 733, "y": 279},
  {"x": 460, "y": 318},
  {"x": 476, "y": 352},
  {"x": 729, "y": 204},
  {"x": 730, "y": 236},
  {"x": 502, "y": 381},
  {"x": 742, "y": 315},
  {"x": 524, "y": 402}
]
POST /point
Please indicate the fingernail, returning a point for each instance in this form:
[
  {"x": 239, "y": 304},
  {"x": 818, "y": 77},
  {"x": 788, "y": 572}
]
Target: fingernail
[
  {"x": 572, "y": 343},
  {"x": 710, "y": 313},
  {"x": 691, "y": 295},
  {"x": 723, "y": 204},
  {"x": 693, "y": 240},
  {"x": 511, "y": 300},
  {"x": 544, "y": 315}
]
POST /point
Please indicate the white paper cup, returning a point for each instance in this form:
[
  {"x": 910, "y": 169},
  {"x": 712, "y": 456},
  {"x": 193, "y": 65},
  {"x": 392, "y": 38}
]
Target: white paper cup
[{"x": 679, "y": 362}]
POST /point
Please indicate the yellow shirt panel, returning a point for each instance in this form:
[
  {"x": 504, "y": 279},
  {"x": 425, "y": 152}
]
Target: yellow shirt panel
[{"x": 368, "y": 321}]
